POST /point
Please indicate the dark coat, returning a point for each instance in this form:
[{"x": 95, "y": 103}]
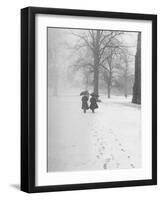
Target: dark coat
[
  {"x": 85, "y": 103},
  {"x": 93, "y": 104}
]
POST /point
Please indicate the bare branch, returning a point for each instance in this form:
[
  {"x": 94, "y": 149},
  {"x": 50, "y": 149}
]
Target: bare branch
[
  {"x": 105, "y": 37},
  {"x": 104, "y": 67},
  {"x": 107, "y": 44},
  {"x": 85, "y": 39},
  {"x": 91, "y": 33}
]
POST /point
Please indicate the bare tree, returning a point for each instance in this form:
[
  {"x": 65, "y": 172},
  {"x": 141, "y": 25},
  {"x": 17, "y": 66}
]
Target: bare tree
[
  {"x": 109, "y": 66},
  {"x": 125, "y": 59},
  {"x": 110, "y": 62},
  {"x": 116, "y": 63},
  {"x": 97, "y": 41}
]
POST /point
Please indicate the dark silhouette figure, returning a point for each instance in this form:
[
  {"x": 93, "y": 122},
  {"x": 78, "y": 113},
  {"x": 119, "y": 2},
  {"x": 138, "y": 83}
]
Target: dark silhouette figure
[
  {"x": 93, "y": 104},
  {"x": 85, "y": 103}
]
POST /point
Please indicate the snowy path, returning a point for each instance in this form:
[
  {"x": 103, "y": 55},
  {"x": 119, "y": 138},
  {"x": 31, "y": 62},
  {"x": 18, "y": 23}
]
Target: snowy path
[{"x": 107, "y": 139}]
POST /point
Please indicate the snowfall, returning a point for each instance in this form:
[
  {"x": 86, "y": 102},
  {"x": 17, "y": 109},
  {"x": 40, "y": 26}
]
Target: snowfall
[{"x": 108, "y": 139}]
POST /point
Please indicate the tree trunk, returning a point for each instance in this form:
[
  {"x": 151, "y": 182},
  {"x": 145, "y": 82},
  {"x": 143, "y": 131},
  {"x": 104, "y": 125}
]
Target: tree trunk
[
  {"x": 109, "y": 91},
  {"x": 109, "y": 83},
  {"x": 125, "y": 92},
  {"x": 96, "y": 63},
  {"x": 125, "y": 86},
  {"x": 96, "y": 74},
  {"x": 86, "y": 82},
  {"x": 137, "y": 83},
  {"x": 125, "y": 79}
]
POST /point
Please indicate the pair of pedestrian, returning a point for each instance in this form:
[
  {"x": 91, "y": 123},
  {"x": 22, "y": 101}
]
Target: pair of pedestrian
[{"x": 93, "y": 102}]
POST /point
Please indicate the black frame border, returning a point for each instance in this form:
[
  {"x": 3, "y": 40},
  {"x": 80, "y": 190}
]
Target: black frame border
[{"x": 28, "y": 99}]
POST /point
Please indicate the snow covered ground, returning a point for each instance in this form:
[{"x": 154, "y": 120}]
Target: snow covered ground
[{"x": 108, "y": 139}]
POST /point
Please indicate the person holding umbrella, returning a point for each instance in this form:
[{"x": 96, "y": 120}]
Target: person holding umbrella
[
  {"x": 85, "y": 97},
  {"x": 93, "y": 101}
]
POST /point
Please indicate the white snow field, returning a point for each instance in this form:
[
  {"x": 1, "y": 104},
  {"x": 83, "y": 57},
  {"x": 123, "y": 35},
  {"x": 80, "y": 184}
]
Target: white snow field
[{"x": 108, "y": 139}]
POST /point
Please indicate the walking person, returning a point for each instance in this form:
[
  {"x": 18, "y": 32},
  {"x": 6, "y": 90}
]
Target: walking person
[
  {"x": 85, "y": 97},
  {"x": 85, "y": 103},
  {"x": 93, "y": 101}
]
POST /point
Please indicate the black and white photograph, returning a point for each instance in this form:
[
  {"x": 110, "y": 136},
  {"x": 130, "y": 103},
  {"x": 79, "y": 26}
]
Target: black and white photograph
[
  {"x": 89, "y": 99},
  {"x": 93, "y": 99}
]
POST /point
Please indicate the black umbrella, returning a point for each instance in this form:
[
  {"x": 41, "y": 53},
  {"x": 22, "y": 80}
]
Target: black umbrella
[
  {"x": 94, "y": 94},
  {"x": 84, "y": 93}
]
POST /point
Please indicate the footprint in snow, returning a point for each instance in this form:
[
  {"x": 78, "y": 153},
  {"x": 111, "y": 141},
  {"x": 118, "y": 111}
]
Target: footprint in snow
[
  {"x": 132, "y": 165},
  {"x": 117, "y": 165},
  {"x": 123, "y": 150},
  {"x": 98, "y": 157}
]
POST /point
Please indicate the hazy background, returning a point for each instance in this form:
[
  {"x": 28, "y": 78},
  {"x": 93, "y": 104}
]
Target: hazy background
[
  {"x": 103, "y": 62},
  {"x": 68, "y": 59}
]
